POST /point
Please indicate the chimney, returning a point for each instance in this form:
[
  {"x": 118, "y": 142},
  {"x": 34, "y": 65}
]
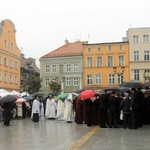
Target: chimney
[{"x": 66, "y": 42}]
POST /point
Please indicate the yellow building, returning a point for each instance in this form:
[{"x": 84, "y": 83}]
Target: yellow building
[
  {"x": 9, "y": 57},
  {"x": 105, "y": 64}
]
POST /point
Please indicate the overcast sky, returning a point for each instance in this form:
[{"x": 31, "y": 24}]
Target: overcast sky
[{"x": 42, "y": 26}]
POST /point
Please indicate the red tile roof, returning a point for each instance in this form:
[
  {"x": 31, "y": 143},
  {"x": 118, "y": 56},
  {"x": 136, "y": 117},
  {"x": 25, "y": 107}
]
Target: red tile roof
[{"x": 69, "y": 49}]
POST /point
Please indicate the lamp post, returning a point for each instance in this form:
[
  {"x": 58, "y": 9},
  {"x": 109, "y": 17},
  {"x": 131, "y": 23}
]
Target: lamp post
[
  {"x": 62, "y": 84},
  {"x": 120, "y": 74}
]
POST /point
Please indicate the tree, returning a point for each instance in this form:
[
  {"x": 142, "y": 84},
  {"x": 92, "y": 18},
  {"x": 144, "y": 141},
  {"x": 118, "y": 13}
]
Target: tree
[
  {"x": 55, "y": 86},
  {"x": 33, "y": 84}
]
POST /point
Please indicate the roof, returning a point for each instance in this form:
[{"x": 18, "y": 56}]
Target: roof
[
  {"x": 27, "y": 63},
  {"x": 69, "y": 49}
]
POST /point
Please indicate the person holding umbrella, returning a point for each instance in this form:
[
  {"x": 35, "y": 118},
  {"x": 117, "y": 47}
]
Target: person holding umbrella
[{"x": 7, "y": 108}]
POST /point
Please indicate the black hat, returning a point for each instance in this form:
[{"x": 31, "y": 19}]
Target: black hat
[{"x": 133, "y": 89}]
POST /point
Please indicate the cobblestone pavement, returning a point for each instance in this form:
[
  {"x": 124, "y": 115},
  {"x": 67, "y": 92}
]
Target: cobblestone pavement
[{"x": 24, "y": 134}]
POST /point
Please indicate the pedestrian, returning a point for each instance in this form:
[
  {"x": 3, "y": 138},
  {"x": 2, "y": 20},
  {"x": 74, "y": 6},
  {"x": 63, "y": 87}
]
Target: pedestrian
[
  {"x": 113, "y": 110},
  {"x": 7, "y": 109},
  {"x": 103, "y": 109},
  {"x": 24, "y": 110},
  {"x": 125, "y": 107},
  {"x": 60, "y": 109},
  {"x": 36, "y": 109},
  {"x": 69, "y": 111},
  {"x": 135, "y": 102}
]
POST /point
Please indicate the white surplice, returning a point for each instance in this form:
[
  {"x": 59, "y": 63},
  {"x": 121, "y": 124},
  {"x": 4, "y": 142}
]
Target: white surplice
[
  {"x": 60, "y": 109},
  {"x": 35, "y": 107}
]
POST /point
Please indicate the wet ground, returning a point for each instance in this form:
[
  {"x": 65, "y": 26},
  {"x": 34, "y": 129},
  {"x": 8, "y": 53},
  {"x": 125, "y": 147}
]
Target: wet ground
[{"x": 24, "y": 134}]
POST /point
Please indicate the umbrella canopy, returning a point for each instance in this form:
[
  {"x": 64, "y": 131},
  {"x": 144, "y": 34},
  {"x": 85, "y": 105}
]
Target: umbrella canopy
[
  {"x": 132, "y": 84},
  {"x": 28, "y": 98},
  {"x": 87, "y": 94},
  {"x": 62, "y": 95},
  {"x": 123, "y": 90},
  {"x": 111, "y": 89},
  {"x": 21, "y": 100},
  {"x": 7, "y": 98}
]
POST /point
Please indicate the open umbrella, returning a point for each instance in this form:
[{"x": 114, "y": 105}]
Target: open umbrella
[
  {"x": 21, "y": 100},
  {"x": 87, "y": 94},
  {"x": 111, "y": 89},
  {"x": 62, "y": 95},
  {"x": 133, "y": 84},
  {"x": 7, "y": 98},
  {"x": 28, "y": 98}
]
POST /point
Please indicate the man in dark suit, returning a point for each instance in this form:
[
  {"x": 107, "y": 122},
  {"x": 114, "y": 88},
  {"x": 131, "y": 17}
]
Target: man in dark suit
[
  {"x": 113, "y": 110},
  {"x": 7, "y": 107},
  {"x": 103, "y": 109}
]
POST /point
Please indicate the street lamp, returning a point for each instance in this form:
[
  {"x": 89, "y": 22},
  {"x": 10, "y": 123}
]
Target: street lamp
[{"x": 120, "y": 74}]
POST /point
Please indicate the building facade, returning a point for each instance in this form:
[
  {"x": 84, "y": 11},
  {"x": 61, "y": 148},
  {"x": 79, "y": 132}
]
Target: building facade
[
  {"x": 63, "y": 65},
  {"x": 28, "y": 66},
  {"x": 139, "y": 53},
  {"x": 99, "y": 60},
  {"x": 9, "y": 57}
]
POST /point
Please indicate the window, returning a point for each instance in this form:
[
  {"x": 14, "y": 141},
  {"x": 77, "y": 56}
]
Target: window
[
  {"x": 15, "y": 79},
  {"x": 47, "y": 80},
  {"x": 89, "y": 49},
  {"x": 54, "y": 68},
  {"x": 10, "y": 78},
  {"x": 47, "y": 68},
  {"x": 136, "y": 55},
  {"x": 109, "y": 47},
  {"x": 68, "y": 81},
  {"x": 145, "y": 38},
  {"x": 120, "y": 47},
  {"x": 68, "y": 68},
  {"x": 121, "y": 60},
  {"x": 5, "y": 43},
  {"x": 11, "y": 46},
  {"x": 120, "y": 78},
  {"x": 0, "y": 59},
  {"x": 5, "y": 77},
  {"x": 136, "y": 75},
  {"x": 5, "y": 61},
  {"x": 146, "y": 55},
  {"x": 89, "y": 79},
  {"x": 16, "y": 64},
  {"x": 111, "y": 78},
  {"x": 98, "y": 79},
  {"x": 147, "y": 73},
  {"x": 89, "y": 61},
  {"x": 75, "y": 67},
  {"x": 99, "y": 49},
  {"x": 75, "y": 81},
  {"x": 110, "y": 61},
  {"x": 11, "y": 63},
  {"x": 135, "y": 39},
  {"x": 0, "y": 76},
  {"x": 99, "y": 61}
]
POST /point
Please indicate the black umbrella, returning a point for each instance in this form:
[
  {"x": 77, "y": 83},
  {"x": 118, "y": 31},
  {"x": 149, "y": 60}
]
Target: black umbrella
[
  {"x": 7, "y": 98},
  {"x": 133, "y": 84},
  {"x": 123, "y": 90}
]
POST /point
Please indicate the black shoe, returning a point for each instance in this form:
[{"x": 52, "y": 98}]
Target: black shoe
[
  {"x": 69, "y": 121},
  {"x": 116, "y": 127}
]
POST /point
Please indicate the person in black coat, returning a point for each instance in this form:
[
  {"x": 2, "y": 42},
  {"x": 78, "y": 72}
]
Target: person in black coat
[
  {"x": 113, "y": 110},
  {"x": 103, "y": 109},
  {"x": 125, "y": 107},
  {"x": 7, "y": 107},
  {"x": 24, "y": 110},
  {"x": 135, "y": 105},
  {"x": 89, "y": 106}
]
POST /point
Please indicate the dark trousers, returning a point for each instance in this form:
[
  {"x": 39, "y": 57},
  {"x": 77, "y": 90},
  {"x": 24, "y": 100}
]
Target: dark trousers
[
  {"x": 36, "y": 117},
  {"x": 134, "y": 119},
  {"x": 112, "y": 119},
  {"x": 89, "y": 118},
  {"x": 127, "y": 120},
  {"x": 103, "y": 117},
  {"x": 7, "y": 117}
]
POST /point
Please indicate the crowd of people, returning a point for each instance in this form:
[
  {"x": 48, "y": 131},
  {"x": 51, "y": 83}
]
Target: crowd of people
[{"x": 128, "y": 110}]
